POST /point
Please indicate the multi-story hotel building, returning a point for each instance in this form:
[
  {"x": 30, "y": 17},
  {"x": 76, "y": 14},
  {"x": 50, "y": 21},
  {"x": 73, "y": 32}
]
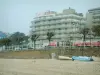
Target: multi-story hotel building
[
  {"x": 65, "y": 25},
  {"x": 93, "y": 17}
]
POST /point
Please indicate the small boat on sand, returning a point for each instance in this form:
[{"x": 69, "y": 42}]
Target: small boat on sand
[
  {"x": 82, "y": 58},
  {"x": 64, "y": 58}
]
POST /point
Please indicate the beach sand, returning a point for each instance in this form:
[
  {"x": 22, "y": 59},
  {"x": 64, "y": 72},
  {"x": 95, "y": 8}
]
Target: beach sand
[{"x": 48, "y": 67}]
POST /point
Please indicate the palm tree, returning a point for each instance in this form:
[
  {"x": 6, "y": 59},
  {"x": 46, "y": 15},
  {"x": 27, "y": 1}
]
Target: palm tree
[
  {"x": 84, "y": 32},
  {"x": 49, "y": 36},
  {"x": 34, "y": 37}
]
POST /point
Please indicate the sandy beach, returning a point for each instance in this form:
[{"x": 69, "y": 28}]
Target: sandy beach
[{"x": 48, "y": 67}]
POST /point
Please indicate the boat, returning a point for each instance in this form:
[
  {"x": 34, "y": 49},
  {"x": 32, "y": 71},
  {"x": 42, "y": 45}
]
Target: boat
[
  {"x": 82, "y": 58},
  {"x": 64, "y": 58}
]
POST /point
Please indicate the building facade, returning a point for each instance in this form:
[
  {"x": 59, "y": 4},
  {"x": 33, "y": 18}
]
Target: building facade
[
  {"x": 93, "y": 17},
  {"x": 64, "y": 25}
]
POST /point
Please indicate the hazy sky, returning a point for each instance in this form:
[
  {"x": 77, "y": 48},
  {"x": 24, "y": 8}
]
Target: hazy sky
[{"x": 16, "y": 15}]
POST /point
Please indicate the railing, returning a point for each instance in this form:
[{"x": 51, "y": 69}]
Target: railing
[{"x": 96, "y": 20}]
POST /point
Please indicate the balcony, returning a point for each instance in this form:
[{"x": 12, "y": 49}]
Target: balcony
[
  {"x": 41, "y": 23},
  {"x": 96, "y": 20},
  {"x": 68, "y": 31},
  {"x": 83, "y": 21},
  {"x": 57, "y": 36},
  {"x": 96, "y": 16},
  {"x": 51, "y": 27},
  {"x": 59, "y": 27},
  {"x": 62, "y": 31},
  {"x": 63, "y": 21},
  {"x": 75, "y": 21},
  {"x": 56, "y": 17},
  {"x": 39, "y": 19},
  {"x": 36, "y": 20},
  {"x": 41, "y": 32},
  {"x": 63, "y": 36},
  {"x": 41, "y": 28},
  {"x": 37, "y": 32},
  {"x": 52, "y": 22},
  {"x": 45, "y": 23},
  {"x": 69, "y": 20},
  {"x": 57, "y": 31},
  {"x": 37, "y": 24},
  {"x": 43, "y": 18},
  {"x": 54, "y": 26},
  {"x": 58, "y": 21},
  {"x": 63, "y": 26},
  {"x": 48, "y": 18},
  {"x": 60, "y": 16}
]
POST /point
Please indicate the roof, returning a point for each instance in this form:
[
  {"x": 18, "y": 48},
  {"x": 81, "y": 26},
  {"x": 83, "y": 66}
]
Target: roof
[{"x": 94, "y": 9}]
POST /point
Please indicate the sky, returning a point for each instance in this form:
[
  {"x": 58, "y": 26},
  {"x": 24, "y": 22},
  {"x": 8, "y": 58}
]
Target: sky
[{"x": 16, "y": 15}]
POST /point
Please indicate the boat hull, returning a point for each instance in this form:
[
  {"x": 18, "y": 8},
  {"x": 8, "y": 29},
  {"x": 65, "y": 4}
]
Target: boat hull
[
  {"x": 82, "y": 58},
  {"x": 64, "y": 58}
]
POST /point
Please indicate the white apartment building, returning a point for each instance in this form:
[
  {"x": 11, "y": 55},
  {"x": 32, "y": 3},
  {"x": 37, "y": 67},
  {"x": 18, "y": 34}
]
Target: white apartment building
[
  {"x": 93, "y": 17},
  {"x": 65, "y": 25}
]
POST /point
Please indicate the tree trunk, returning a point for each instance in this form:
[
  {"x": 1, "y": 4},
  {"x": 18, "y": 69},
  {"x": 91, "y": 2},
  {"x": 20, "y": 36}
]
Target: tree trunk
[
  {"x": 84, "y": 44},
  {"x": 84, "y": 41},
  {"x": 34, "y": 45},
  {"x": 90, "y": 43},
  {"x": 49, "y": 42},
  {"x": 70, "y": 45}
]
